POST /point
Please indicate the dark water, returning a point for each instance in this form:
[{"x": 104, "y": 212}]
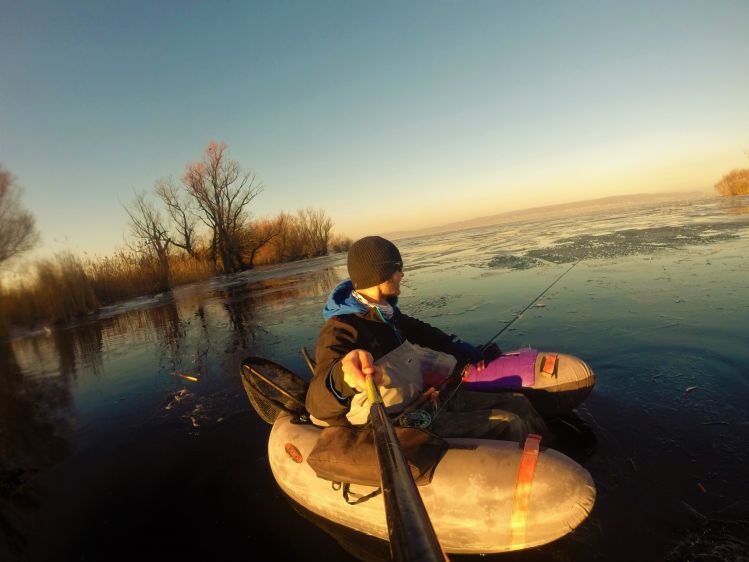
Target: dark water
[{"x": 110, "y": 449}]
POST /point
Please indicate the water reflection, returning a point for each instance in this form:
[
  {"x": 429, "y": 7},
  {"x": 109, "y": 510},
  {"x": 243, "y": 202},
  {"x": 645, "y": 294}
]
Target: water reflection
[
  {"x": 573, "y": 435},
  {"x": 82, "y": 343},
  {"x": 167, "y": 325},
  {"x": 736, "y": 205},
  {"x": 187, "y": 327},
  {"x": 35, "y": 430},
  {"x": 282, "y": 291},
  {"x": 132, "y": 350},
  {"x": 359, "y": 545},
  {"x": 239, "y": 307}
]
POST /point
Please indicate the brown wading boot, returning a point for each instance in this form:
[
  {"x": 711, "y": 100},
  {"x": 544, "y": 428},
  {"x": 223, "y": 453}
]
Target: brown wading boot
[{"x": 508, "y": 416}]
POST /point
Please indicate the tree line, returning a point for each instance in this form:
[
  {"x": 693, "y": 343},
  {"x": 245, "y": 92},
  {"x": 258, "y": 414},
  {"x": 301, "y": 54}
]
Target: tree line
[
  {"x": 215, "y": 194},
  {"x": 179, "y": 232},
  {"x": 736, "y": 182}
]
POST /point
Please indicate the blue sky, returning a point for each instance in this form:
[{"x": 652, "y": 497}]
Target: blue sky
[{"x": 388, "y": 115}]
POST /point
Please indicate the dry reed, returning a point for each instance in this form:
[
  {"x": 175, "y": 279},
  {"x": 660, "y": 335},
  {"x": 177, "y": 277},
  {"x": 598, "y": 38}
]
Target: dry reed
[{"x": 65, "y": 287}]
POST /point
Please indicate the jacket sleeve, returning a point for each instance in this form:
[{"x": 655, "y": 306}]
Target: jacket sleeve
[
  {"x": 424, "y": 334},
  {"x": 328, "y": 396}
]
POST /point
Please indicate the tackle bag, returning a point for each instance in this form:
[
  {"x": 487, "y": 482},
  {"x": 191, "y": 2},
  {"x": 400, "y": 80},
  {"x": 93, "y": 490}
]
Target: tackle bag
[{"x": 348, "y": 454}]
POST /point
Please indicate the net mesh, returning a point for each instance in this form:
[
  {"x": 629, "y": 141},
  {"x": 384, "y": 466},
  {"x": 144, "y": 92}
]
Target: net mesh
[{"x": 272, "y": 388}]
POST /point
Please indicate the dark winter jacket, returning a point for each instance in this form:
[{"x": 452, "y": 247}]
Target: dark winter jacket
[{"x": 349, "y": 325}]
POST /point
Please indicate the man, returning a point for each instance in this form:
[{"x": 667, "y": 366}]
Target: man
[{"x": 365, "y": 333}]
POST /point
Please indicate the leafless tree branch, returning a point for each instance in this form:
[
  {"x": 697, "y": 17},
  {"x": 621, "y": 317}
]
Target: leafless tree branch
[
  {"x": 17, "y": 225},
  {"x": 181, "y": 213},
  {"x": 222, "y": 193},
  {"x": 147, "y": 227}
]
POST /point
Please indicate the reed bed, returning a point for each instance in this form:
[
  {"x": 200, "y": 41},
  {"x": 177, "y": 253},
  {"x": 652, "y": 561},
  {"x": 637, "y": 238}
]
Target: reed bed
[{"x": 66, "y": 287}]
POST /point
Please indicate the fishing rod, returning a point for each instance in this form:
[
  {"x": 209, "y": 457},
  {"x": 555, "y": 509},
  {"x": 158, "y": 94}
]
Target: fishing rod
[{"x": 495, "y": 336}]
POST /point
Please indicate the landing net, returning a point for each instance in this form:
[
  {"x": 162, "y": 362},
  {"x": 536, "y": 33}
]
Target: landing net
[{"x": 272, "y": 389}]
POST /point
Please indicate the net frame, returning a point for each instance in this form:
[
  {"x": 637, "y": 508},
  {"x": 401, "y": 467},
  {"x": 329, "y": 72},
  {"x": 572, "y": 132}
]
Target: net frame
[{"x": 272, "y": 389}]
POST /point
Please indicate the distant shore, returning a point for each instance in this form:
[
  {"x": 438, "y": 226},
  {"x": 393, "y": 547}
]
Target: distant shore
[{"x": 558, "y": 210}]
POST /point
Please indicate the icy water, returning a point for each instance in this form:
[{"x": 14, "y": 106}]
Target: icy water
[{"x": 129, "y": 435}]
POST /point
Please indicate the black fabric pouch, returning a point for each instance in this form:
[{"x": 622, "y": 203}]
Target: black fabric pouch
[{"x": 348, "y": 454}]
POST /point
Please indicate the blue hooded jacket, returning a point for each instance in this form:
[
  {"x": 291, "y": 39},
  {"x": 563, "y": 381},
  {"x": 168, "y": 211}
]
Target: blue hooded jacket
[
  {"x": 341, "y": 301},
  {"x": 350, "y": 324}
]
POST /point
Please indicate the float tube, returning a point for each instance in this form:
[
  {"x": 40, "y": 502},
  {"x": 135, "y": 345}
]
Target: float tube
[
  {"x": 555, "y": 383},
  {"x": 485, "y": 496}
]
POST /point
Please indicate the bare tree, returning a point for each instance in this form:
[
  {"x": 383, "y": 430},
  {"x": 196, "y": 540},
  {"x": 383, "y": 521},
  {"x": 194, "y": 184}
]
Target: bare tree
[
  {"x": 339, "y": 243},
  {"x": 17, "y": 226},
  {"x": 283, "y": 241},
  {"x": 260, "y": 233},
  {"x": 315, "y": 226},
  {"x": 222, "y": 192},
  {"x": 181, "y": 213},
  {"x": 147, "y": 227},
  {"x": 291, "y": 243},
  {"x": 734, "y": 183}
]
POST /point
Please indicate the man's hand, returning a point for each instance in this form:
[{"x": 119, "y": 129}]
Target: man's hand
[
  {"x": 491, "y": 352},
  {"x": 356, "y": 365}
]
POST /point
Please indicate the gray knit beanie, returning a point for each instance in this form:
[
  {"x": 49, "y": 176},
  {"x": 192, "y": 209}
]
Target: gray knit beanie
[{"x": 372, "y": 260}]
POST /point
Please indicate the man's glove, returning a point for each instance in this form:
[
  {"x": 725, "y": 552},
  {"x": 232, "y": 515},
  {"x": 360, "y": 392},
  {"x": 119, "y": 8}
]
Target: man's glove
[
  {"x": 491, "y": 352},
  {"x": 468, "y": 353},
  {"x": 465, "y": 352}
]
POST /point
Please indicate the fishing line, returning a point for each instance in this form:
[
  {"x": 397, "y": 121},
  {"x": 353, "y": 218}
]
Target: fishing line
[
  {"x": 495, "y": 336},
  {"x": 483, "y": 347}
]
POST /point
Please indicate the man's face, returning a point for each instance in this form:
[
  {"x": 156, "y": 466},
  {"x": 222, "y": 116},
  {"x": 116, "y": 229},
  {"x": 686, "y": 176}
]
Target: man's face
[{"x": 392, "y": 287}]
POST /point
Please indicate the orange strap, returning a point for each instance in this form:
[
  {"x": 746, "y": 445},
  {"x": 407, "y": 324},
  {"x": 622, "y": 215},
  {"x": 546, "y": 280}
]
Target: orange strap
[
  {"x": 550, "y": 363},
  {"x": 521, "y": 499}
]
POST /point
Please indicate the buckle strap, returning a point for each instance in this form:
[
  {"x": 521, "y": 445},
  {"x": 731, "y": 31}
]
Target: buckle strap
[
  {"x": 358, "y": 498},
  {"x": 523, "y": 484},
  {"x": 549, "y": 365}
]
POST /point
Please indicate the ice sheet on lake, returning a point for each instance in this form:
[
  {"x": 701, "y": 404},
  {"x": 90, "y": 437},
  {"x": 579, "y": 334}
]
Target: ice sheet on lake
[
  {"x": 512, "y": 261},
  {"x": 625, "y": 242}
]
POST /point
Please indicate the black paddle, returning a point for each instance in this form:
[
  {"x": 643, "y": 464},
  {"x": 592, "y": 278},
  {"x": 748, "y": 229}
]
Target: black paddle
[{"x": 411, "y": 533}]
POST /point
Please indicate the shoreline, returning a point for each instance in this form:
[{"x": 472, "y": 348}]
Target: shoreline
[{"x": 555, "y": 211}]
